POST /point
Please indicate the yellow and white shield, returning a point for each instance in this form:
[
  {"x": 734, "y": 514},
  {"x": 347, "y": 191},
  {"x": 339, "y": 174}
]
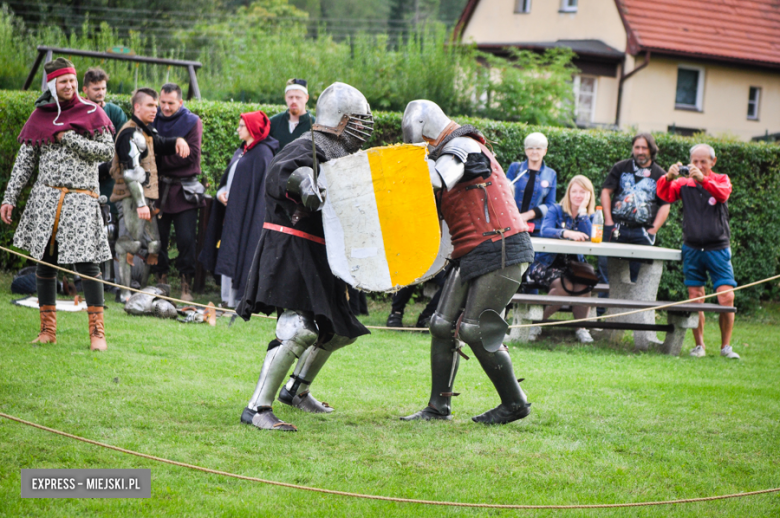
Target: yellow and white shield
[{"x": 380, "y": 219}]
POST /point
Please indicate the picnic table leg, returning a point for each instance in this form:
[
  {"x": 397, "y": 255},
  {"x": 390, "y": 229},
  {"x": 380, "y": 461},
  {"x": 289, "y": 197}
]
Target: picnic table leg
[
  {"x": 674, "y": 340},
  {"x": 645, "y": 288},
  {"x": 523, "y": 314}
]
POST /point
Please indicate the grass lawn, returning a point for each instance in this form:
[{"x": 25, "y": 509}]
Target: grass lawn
[{"x": 608, "y": 425}]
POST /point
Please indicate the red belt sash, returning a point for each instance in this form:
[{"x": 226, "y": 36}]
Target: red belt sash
[{"x": 293, "y": 232}]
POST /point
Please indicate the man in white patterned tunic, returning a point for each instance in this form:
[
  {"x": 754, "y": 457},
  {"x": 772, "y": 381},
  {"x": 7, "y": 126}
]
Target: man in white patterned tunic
[{"x": 65, "y": 139}]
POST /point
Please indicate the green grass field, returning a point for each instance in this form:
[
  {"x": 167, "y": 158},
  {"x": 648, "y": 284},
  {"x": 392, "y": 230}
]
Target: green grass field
[{"x": 608, "y": 425}]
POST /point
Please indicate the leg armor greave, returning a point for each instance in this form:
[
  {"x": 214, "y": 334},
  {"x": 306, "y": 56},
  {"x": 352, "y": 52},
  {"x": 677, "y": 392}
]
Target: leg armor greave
[
  {"x": 296, "y": 392},
  {"x": 295, "y": 331}
]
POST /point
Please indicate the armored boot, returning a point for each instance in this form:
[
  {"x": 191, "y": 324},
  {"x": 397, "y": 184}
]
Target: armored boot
[
  {"x": 124, "y": 274},
  {"x": 185, "y": 289},
  {"x": 445, "y": 359},
  {"x": 514, "y": 404},
  {"x": 48, "y": 334},
  {"x": 296, "y": 393},
  {"x": 264, "y": 419},
  {"x": 295, "y": 333},
  {"x": 97, "y": 335}
]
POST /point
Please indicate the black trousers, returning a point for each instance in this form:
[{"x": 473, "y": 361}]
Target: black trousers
[
  {"x": 185, "y": 223},
  {"x": 46, "y": 280}
]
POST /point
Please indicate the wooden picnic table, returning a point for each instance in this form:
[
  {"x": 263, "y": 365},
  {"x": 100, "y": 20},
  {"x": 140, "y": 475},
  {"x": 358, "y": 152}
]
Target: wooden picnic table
[{"x": 620, "y": 286}]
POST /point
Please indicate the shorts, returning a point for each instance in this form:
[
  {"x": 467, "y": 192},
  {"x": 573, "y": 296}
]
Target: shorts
[{"x": 696, "y": 264}]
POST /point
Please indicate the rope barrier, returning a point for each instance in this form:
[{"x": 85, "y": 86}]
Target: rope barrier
[
  {"x": 383, "y": 498},
  {"x": 385, "y": 328}
]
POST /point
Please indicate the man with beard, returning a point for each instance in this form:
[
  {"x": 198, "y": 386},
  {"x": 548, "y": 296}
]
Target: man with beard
[
  {"x": 633, "y": 211},
  {"x": 63, "y": 141},
  {"x": 296, "y": 121},
  {"x": 136, "y": 185},
  {"x": 179, "y": 187},
  {"x": 492, "y": 249},
  {"x": 290, "y": 272}
]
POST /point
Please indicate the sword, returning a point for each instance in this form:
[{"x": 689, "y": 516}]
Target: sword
[{"x": 315, "y": 165}]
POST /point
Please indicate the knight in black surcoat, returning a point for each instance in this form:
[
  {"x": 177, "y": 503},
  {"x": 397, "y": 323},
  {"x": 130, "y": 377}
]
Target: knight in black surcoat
[{"x": 290, "y": 272}]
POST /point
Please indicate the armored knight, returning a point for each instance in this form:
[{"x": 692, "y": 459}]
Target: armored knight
[
  {"x": 290, "y": 272},
  {"x": 135, "y": 191},
  {"x": 492, "y": 249}
]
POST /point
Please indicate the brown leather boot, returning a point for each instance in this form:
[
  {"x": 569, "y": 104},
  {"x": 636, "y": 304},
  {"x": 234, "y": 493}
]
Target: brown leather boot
[
  {"x": 48, "y": 334},
  {"x": 185, "y": 289},
  {"x": 97, "y": 335}
]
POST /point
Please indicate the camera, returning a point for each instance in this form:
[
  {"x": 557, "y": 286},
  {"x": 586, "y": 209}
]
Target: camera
[{"x": 684, "y": 170}]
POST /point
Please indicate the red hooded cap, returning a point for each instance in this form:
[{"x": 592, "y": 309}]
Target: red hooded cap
[{"x": 258, "y": 125}]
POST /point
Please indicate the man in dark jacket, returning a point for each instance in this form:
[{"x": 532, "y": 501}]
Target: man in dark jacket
[
  {"x": 633, "y": 212},
  {"x": 296, "y": 120},
  {"x": 177, "y": 176},
  {"x": 706, "y": 236}
]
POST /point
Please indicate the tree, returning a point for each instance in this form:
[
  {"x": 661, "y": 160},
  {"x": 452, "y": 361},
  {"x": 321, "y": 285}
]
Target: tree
[{"x": 529, "y": 87}]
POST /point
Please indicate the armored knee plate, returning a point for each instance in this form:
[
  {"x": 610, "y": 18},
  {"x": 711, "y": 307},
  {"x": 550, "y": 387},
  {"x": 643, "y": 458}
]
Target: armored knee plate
[
  {"x": 297, "y": 329},
  {"x": 488, "y": 332},
  {"x": 440, "y": 327},
  {"x": 153, "y": 247}
]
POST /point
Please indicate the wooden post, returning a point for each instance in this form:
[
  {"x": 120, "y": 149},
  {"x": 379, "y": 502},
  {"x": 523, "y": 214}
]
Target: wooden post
[
  {"x": 193, "y": 91},
  {"x": 34, "y": 70}
]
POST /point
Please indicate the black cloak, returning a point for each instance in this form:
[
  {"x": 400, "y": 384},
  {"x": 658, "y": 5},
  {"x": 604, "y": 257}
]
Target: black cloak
[
  {"x": 292, "y": 272},
  {"x": 239, "y": 224}
]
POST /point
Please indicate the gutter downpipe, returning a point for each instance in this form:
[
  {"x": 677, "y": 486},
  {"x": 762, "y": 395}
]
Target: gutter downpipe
[{"x": 623, "y": 78}]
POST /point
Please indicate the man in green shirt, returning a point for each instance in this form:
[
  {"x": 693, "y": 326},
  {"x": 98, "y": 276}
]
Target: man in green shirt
[
  {"x": 291, "y": 124},
  {"x": 94, "y": 88}
]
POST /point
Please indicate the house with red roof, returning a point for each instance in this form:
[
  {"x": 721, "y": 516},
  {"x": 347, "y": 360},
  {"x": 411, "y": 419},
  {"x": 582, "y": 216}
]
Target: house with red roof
[{"x": 651, "y": 65}]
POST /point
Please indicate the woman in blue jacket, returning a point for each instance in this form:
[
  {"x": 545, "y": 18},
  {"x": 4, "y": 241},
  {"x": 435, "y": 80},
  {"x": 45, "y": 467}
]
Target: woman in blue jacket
[
  {"x": 569, "y": 220},
  {"x": 534, "y": 182}
]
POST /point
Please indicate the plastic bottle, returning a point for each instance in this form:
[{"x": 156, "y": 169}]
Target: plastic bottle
[{"x": 597, "y": 228}]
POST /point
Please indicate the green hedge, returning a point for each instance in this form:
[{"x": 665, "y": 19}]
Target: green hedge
[{"x": 754, "y": 169}]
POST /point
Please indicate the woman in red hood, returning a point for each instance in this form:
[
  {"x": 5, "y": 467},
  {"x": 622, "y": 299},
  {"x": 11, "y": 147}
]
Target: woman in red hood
[{"x": 237, "y": 218}]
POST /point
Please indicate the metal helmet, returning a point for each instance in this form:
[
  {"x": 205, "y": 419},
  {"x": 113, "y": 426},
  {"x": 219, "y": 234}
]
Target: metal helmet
[
  {"x": 423, "y": 121},
  {"x": 164, "y": 309},
  {"x": 343, "y": 109}
]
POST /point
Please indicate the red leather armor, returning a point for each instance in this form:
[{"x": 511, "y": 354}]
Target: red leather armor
[{"x": 479, "y": 210}]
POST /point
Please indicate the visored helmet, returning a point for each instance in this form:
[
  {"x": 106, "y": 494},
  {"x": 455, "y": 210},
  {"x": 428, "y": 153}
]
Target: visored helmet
[
  {"x": 424, "y": 121},
  {"x": 342, "y": 109}
]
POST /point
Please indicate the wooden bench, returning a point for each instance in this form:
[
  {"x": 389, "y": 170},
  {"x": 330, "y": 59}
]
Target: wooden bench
[{"x": 528, "y": 309}]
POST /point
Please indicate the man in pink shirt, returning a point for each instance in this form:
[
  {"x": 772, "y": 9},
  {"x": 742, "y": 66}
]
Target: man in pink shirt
[{"x": 706, "y": 235}]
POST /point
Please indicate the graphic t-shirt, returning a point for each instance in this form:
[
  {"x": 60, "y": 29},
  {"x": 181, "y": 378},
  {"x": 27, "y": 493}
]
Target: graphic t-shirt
[{"x": 635, "y": 201}]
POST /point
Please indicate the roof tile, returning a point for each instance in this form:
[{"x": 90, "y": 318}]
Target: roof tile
[{"x": 722, "y": 29}]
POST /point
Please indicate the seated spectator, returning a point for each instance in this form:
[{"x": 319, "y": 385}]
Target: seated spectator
[
  {"x": 569, "y": 220},
  {"x": 534, "y": 182},
  {"x": 236, "y": 222}
]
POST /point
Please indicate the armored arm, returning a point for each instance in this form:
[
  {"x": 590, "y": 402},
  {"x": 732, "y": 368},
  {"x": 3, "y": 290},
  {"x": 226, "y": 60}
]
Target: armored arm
[
  {"x": 301, "y": 184},
  {"x": 451, "y": 165},
  {"x": 135, "y": 176}
]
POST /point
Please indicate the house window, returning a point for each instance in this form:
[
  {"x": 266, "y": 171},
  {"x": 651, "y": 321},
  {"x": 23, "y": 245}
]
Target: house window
[
  {"x": 522, "y": 6},
  {"x": 585, "y": 98},
  {"x": 568, "y": 6},
  {"x": 690, "y": 88},
  {"x": 754, "y": 96}
]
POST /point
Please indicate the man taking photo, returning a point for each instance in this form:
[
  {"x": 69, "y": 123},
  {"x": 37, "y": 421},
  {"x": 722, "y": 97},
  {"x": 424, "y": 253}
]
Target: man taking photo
[{"x": 706, "y": 236}]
